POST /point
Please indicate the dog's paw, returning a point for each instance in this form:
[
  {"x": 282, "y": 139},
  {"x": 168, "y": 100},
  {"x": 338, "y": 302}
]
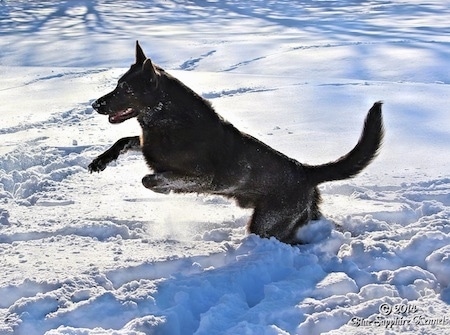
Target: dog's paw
[
  {"x": 97, "y": 165},
  {"x": 157, "y": 183}
]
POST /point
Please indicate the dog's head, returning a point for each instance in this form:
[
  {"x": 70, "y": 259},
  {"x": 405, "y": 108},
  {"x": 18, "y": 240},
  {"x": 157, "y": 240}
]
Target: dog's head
[{"x": 136, "y": 91}]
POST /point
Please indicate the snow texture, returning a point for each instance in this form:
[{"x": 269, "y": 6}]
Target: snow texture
[{"x": 99, "y": 254}]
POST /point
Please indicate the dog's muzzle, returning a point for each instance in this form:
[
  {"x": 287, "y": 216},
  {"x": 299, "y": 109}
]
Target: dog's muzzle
[
  {"x": 96, "y": 105},
  {"x": 99, "y": 106}
]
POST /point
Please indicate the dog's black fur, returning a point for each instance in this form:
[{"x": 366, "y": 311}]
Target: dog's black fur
[{"x": 190, "y": 148}]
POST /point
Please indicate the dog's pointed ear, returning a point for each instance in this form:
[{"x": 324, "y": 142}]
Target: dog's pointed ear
[
  {"x": 150, "y": 71},
  {"x": 140, "y": 56}
]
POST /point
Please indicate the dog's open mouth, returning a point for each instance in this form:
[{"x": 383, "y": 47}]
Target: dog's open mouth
[{"x": 123, "y": 115}]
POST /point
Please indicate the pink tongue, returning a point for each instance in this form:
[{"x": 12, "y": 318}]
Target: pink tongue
[{"x": 122, "y": 115}]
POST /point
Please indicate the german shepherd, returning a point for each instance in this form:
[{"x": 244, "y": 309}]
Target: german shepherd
[{"x": 190, "y": 148}]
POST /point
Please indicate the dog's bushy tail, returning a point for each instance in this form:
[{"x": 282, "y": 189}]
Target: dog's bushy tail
[{"x": 358, "y": 158}]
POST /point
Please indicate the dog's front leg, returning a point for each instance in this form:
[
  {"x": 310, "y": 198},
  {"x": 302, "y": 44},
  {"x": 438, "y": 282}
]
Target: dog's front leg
[
  {"x": 164, "y": 182},
  {"x": 120, "y": 147}
]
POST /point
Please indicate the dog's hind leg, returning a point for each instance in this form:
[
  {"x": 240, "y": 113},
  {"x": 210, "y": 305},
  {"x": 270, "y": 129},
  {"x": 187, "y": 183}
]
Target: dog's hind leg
[
  {"x": 120, "y": 147},
  {"x": 316, "y": 200},
  {"x": 164, "y": 182},
  {"x": 279, "y": 218}
]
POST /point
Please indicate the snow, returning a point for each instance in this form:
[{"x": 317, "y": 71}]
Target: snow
[{"x": 88, "y": 253}]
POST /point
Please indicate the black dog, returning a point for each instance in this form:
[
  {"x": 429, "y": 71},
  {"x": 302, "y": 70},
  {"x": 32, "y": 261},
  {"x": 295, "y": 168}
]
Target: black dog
[{"x": 190, "y": 148}]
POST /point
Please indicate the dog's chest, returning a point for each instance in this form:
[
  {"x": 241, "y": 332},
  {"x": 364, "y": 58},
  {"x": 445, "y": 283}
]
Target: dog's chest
[{"x": 159, "y": 144}]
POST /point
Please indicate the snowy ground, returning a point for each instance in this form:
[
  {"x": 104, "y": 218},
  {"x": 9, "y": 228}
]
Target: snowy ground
[{"x": 99, "y": 254}]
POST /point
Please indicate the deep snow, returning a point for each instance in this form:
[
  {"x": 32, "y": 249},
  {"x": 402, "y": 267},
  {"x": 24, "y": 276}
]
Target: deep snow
[{"x": 99, "y": 254}]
